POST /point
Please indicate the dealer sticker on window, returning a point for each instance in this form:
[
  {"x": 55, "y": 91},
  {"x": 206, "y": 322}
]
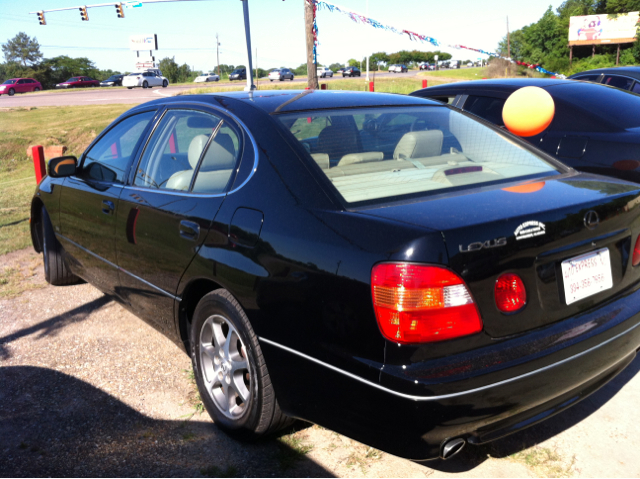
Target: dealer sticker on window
[{"x": 586, "y": 275}]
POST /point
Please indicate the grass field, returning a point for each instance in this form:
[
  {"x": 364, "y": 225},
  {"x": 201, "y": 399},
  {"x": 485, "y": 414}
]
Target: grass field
[
  {"x": 457, "y": 73},
  {"x": 382, "y": 85},
  {"x": 74, "y": 127}
]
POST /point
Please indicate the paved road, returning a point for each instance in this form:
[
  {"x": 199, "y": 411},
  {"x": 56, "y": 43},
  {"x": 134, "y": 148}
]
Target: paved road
[{"x": 93, "y": 96}]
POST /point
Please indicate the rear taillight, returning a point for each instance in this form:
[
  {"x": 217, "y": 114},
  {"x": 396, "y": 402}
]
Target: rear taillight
[
  {"x": 510, "y": 293},
  {"x": 420, "y": 304},
  {"x": 636, "y": 253}
]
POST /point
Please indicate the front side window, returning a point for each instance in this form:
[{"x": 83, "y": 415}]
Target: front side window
[
  {"x": 189, "y": 151},
  {"x": 375, "y": 153},
  {"x": 108, "y": 159},
  {"x": 618, "y": 82}
]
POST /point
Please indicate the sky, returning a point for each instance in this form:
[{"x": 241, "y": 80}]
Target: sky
[{"x": 187, "y": 30}]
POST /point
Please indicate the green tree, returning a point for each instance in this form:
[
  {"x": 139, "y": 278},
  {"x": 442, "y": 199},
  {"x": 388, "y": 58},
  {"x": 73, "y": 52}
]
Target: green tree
[
  {"x": 58, "y": 69},
  {"x": 353, "y": 63},
  {"x": 169, "y": 69},
  {"x": 22, "y": 48},
  {"x": 336, "y": 66}
]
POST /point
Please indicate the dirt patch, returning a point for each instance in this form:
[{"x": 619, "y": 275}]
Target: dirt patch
[{"x": 87, "y": 389}]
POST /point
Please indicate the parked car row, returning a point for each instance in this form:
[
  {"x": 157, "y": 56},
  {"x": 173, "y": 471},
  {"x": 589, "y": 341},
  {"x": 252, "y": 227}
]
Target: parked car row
[{"x": 19, "y": 85}]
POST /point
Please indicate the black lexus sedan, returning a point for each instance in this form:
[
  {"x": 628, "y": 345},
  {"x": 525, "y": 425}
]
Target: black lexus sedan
[
  {"x": 625, "y": 78},
  {"x": 596, "y": 128},
  {"x": 383, "y": 265},
  {"x": 113, "y": 80}
]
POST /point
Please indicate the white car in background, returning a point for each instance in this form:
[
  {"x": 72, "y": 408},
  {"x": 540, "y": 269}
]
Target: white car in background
[
  {"x": 324, "y": 72},
  {"x": 145, "y": 79},
  {"x": 206, "y": 77}
]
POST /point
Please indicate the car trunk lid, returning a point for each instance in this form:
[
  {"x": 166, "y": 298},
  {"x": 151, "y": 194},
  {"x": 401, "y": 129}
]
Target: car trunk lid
[{"x": 531, "y": 230}]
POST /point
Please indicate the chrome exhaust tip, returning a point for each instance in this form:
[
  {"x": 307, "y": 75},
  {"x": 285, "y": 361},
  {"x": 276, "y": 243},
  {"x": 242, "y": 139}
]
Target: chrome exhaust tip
[{"x": 451, "y": 447}]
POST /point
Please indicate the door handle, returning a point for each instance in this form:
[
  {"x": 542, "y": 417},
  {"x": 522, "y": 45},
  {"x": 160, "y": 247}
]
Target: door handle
[
  {"x": 107, "y": 207},
  {"x": 189, "y": 230}
]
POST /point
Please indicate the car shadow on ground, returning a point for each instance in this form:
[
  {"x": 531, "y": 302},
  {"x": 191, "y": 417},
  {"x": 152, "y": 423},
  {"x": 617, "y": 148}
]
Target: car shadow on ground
[
  {"x": 472, "y": 456},
  {"x": 52, "y": 424},
  {"x": 53, "y": 325}
]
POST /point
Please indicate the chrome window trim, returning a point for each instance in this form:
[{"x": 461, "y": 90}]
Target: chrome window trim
[
  {"x": 113, "y": 265},
  {"x": 452, "y": 395}
]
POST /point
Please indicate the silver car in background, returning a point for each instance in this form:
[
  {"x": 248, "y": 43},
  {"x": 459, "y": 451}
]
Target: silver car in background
[{"x": 145, "y": 79}]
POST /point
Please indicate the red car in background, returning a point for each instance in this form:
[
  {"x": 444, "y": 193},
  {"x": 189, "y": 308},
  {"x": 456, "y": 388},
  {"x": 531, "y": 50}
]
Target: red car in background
[
  {"x": 78, "y": 82},
  {"x": 19, "y": 85}
]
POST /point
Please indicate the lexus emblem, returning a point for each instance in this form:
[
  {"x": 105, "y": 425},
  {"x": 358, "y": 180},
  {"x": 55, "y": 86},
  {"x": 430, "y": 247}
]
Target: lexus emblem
[{"x": 591, "y": 219}]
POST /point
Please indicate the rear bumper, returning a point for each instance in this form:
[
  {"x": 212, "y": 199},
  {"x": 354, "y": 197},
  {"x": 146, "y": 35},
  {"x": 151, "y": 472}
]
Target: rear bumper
[{"x": 578, "y": 356}]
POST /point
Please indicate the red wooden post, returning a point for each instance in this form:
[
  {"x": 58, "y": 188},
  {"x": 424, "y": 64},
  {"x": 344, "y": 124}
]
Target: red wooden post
[
  {"x": 323, "y": 86},
  {"x": 424, "y": 84},
  {"x": 38, "y": 162},
  {"x": 372, "y": 86}
]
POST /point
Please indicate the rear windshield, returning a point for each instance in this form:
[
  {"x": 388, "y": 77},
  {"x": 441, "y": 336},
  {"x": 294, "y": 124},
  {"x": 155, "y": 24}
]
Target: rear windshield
[{"x": 374, "y": 153}]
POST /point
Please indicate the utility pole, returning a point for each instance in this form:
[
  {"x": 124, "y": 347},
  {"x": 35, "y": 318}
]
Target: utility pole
[
  {"x": 508, "y": 40},
  {"x": 218, "y": 55},
  {"x": 312, "y": 65}
]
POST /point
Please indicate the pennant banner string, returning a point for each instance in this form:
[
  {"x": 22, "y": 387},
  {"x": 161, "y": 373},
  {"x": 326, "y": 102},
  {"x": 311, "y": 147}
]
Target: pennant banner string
[{"x": 413, "y": 36}]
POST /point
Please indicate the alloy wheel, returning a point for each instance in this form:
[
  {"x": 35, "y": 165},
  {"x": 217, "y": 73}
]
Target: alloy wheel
[{"x": 225, "y": 368}]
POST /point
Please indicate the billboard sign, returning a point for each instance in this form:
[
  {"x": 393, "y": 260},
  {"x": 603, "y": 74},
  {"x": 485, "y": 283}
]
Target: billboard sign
[
  {"x": 599, "y": 29},
  {"x": 143, "y": 42}
]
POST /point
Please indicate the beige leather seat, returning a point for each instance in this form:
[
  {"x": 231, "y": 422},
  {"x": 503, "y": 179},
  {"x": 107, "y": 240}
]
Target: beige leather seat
[
  {"x": 215, "y": 171},
  {"x": 182, "y": 179},
  {"x": 217, "y": 166},
  {"x": 353, "y": 158},
  {"x": 338, "y": 141},
  {"x": 419, "y": 144}
]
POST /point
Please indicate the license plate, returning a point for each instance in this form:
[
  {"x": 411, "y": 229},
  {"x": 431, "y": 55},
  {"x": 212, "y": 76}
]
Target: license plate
[{"x": 586, "y": 275}]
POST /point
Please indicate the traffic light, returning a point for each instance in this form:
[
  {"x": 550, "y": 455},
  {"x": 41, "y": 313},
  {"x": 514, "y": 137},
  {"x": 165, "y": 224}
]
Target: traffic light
[
  {"x": 83, "y": 14},
  {"x": 41, "y": 18},
  {"x": 119, "y": 10}
]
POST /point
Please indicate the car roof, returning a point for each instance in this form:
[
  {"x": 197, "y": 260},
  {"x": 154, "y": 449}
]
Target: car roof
[
  {"x": 504, "y": 84},
  {"x": 627, "y": 70},
  {"x": 283, "y": 101}
]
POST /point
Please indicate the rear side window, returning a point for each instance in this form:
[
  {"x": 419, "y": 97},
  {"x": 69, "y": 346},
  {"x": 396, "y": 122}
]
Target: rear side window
[
  {"x": 108, "y": 159},
  {"x": 618, "y": 81},
  {"x": 375, "y": 153},
  {"x": 486, "y": 107},
  {"x": 174, "y": 151},
  {"x": 190, "y": 151},
  {"x": 593, "y": 78}
]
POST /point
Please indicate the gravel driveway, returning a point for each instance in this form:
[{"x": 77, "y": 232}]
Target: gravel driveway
[{"x": 87, "y": 389}]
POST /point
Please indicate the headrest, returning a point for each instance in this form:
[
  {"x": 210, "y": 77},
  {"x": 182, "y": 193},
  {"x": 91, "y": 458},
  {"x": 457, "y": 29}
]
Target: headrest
[
  {"x": 220, "y": 155},
  {"x": 322, "y": 159},
  {"x": 419, "y": 144},
  {"x": 361, "y": 158},
  {"x": 195, "y": 149}
]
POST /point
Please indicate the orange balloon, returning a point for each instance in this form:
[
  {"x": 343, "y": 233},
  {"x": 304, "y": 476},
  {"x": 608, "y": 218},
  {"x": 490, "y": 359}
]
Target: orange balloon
[{"x": 528, "y": 111}]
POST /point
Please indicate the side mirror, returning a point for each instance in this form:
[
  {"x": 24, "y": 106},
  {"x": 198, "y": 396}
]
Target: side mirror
[{"x": 62, "y": 166}]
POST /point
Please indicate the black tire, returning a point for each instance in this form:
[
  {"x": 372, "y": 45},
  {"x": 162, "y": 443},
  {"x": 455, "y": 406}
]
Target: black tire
[
  {"x": 130, "y": 87},
  {"x": 11, "y": 91},
  {"x": 259, "y": 414},
  {"x": 165, "y": 84},
  {"x": 56, "y": 271},
  {"x": 145, "y": 84},
  {"x": 36, "y": 89}
]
